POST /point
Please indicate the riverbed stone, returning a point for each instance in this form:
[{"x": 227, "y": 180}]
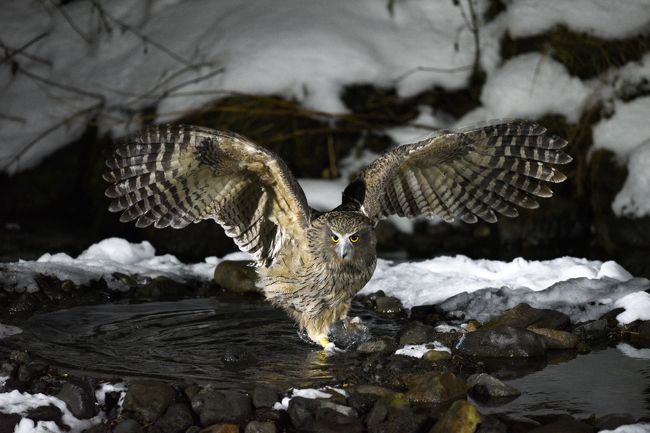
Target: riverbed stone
[
  {"x": 147, "y": 400},
  {"x": 378, "y": 345},
  {"x": 642, "y": 332},
  {"x": 502, "y": 342},
  {"x": 389, "y": 305},
  {"x": 264, "y": 396},
  {"x": 237, "y": 276},
  {"x": 329, "y": 420},
  {"x": 416, "y": 333},
  {"x": 564, "y": 425},
  {"x": 177, "y": 419},
  {"x": 128, "y": 426},
  {"x": 556, "y": 339},
  {"x": 491, "y": 424},
  {"x": 427, "y": 314},
  {"x": 8, "y": 422},
  {"x": 525, "y": 316},
  {"x": 436, "y": 355},
  {"x": 221, "y": 406},
  {"x": 221, "y": 428},
  {"x": 613, "y": 421},
  {"x": 362, "y": 402},
  {"x": 434, "y": 387},
  {"x": 461, "y": 417},
  {"x": 594, "y": 330},
  {"x": 485, "y": 386},
  {"x": 45, "y": 413},
  {"x": 260, "y": 427},
  {"x": 79, "y": 397},
  {"x": 400, "y": 421},
  {"x": 302, "y": 412},
  {"x": 377, "y": 414}
]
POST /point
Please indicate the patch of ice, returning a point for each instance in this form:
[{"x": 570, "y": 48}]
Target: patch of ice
[
  {"x": 7, "y": 330},
  {"x": 633, "y": 352},
  {"x": 418, "y": 350},
  {"x": 530, "y": 86},
  {"x": 637, "y": 307},
  {"x": 20, "y": 403},
  {"x": 603, "y": 18},
  {"x": 630, "y": 428}
]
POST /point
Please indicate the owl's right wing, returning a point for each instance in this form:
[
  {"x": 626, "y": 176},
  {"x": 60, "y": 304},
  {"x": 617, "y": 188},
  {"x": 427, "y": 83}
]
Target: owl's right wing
[
  {"x": 462, "y": 174},
  {"x": 171, "y": 176}
]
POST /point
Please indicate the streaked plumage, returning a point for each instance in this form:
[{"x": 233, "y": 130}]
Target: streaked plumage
[{"x": 310, "y": 263}]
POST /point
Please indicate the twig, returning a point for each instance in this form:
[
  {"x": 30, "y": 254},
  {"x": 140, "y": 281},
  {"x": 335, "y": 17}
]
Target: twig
[
  {"x": 11, "y": 52},
  {"x": 61, "y": 86},
  {"x": 73, "y": 25},
  {"x": 49, "y": 130},
  {"x": 433, "y": 69},
  {"x": 13, "y": 118}
]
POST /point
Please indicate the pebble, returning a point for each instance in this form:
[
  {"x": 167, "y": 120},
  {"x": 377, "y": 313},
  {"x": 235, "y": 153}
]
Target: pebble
[
  {"x": 434, "y": 387},
  {"x": 416, "y": 333},
  {"x": 147, "y": 400},
  {"x": 177, "y": 419},
  {"x": 389, "y": 305},
  {"x": 221, "y": 406},
  {"x": 264, "y": 396},
  {"x": 379, "y": 345},
  {"x": 486, "y": 386},
  {"x": 502, "y": 342}
]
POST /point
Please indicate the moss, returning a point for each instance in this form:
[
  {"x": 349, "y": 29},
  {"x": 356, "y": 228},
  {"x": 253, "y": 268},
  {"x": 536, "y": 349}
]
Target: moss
[{"x": 584, "y": 55}]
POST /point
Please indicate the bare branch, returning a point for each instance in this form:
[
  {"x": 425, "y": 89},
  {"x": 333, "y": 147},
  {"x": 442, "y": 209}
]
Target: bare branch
[
  {"x": 433, "y": 69},
  {"x": 73, "y": 25},
  {"x": 11, "y": 52},
  {"x": 61, "y": 86}
]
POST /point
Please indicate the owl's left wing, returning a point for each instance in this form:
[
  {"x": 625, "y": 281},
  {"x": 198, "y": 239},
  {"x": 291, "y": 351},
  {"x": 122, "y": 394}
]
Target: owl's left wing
[
  {"x": 171, "y": 176},
  {"x": 462, "y": 174}
]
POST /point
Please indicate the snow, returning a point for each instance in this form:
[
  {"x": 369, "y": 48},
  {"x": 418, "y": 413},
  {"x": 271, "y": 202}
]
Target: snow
[
  {"x": 480, "y": 289},
  {"x": 317, "y": 48},
  {"x": 418, "y": 350},
  {"x": 603, "y": 18},
  {"x": 637, "y": 307},
  {"x": 630, "y": 428},
  {"x": 20, "y": 403},
  {"x": 100, "y": 393},
  {"x": 305, "y": 393},
  {"x": 103, "y": 260},
  {"x": 530, "y": 86}
]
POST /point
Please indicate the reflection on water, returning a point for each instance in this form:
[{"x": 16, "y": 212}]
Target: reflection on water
[
  {"x": 232, "y": 344},
  {"x": 602, "y": 382}
]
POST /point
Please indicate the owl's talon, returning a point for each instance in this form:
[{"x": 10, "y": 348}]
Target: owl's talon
[{"x": 324, "y": 342}]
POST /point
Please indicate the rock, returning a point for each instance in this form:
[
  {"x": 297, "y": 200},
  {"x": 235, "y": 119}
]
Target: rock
[
  {"x": 378, "y": 414},
  {"x": 434, "y": 387},
  {"x": 99, "y": 428},
  {"x": 302, "y": 412},
  {"x": 236, "y": 276},
  {"x": 329, "y": 420},
  {"x": 221, "y": 428},
  {"x": 503, "y": 342},
  {"x": 557, "y": 339},
  {"x": 389, "y": 305},
  {"x": 45, "y": 413},
  {"x": 369, "y": 300},
  {"x": 349, "y": 333},
  {"x": 564, "y": 425},
  {"x": 613, "y": 421},
  {"x": 147, "y": 400},
  {"x": 8, "y": 422},
  {"x": 594, "y": 330},
  {"x": 400, "y": 421},
  {"x": 128, "y": 426},
  {"x": 610, "y": 317},
  {"x": 177, "y": 419},
  {"x": 263, "y": 396},
  {"x": 416, "y": 333},
  {"x": 162, "y": 289},
  {"x": 642, "y": 332},
  {"x": 260, "y": 427},
  {"x": 461, "y": 417},
  {"x": 268, "y": 414},
  {"x": 362, "y": 403},
  {"x": 379, "y": 345},
  {"x": 486, "y": 386},
  {"x": 525, "y": 316},
  {"x": 193, "y": 429},
  {"x": 79, "y": 397},
  {"x": 427, "y": 314},
  {"x": 221, "y": 406},
  {"x": 436, "y": 355},
  {"x": 472, "y": 325},
  {"x": 490, "y": 424}
]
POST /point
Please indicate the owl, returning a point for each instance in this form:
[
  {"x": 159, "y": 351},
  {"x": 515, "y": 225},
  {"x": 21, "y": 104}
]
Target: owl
[{"x": 312, "y": 263}]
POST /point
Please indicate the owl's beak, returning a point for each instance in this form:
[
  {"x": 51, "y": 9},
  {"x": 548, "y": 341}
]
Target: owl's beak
[{"x": 344, "y": 249}]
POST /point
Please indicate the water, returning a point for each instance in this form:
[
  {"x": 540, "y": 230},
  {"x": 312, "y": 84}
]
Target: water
[
  {"x": 231, "y": 343},
  {"x": 236, "y": 343}
]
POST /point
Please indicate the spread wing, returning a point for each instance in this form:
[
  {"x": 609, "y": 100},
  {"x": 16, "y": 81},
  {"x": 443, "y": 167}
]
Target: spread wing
[
  {"x": 171, "y": 176},
  {"x": 465, "y": 174}
]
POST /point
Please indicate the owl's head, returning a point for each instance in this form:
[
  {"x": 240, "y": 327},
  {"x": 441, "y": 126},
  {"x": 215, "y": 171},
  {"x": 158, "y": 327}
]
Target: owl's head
[{"x": 346, "y": 237}]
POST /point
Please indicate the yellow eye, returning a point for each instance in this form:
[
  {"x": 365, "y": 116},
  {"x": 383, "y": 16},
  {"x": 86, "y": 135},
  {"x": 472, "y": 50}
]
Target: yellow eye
[
  {"x": 335, "y": 239},
  {"x": 354, "y": 239}
]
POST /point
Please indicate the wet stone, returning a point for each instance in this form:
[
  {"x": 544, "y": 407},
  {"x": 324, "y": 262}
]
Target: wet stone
[
  {"x": 379, "y": 345},
  {"x": 557, "y": 339},
  {"x": 461, "y": 417},
  {"x": 389, "y": 305},
  {"x": 79, "y": 397},
  {"x": 436, "y": 355},
  {"x": 362, "y": 402},
  {"x": 610, "y": 317},
  {"x": 485, "y": 386},
  {"x": 329, "y": 420},
  {"x": 45, "y": 413},
  {"x": 642, "y": 331},
  {"x": 564, "y": 425},
  {"x": 221, "y": 406},
  {"x": 613, "y": 421},
  {"x": 264, "y": 396},
  {"x": 378, "y": 413},
  {"x": 147, "y": 400},
  {"x": 434, "y": 387},
  {"x": 416, "y": 333},
  {"x": 400, "y": 421},
  {"x": 502, "y": 342},
  {"x": 524, "y": 316},
  {"x": 162, "y": 289},
  {"x": 260, "y": 427},
  {"x": 236, "y": 276},
  {"x": 491, "y": 424},
  {"x": 594, "y": 330},
  {"x": 427, "y": 314},
  {"x": 128, "y": 426},
  {"x": 8, "y": 422},
  {"x": 302, "y": 412},
  {"x": 176, "y": 419},
  {"x": 221, "y": 428},
  {"x": 348, "y": 333}
]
